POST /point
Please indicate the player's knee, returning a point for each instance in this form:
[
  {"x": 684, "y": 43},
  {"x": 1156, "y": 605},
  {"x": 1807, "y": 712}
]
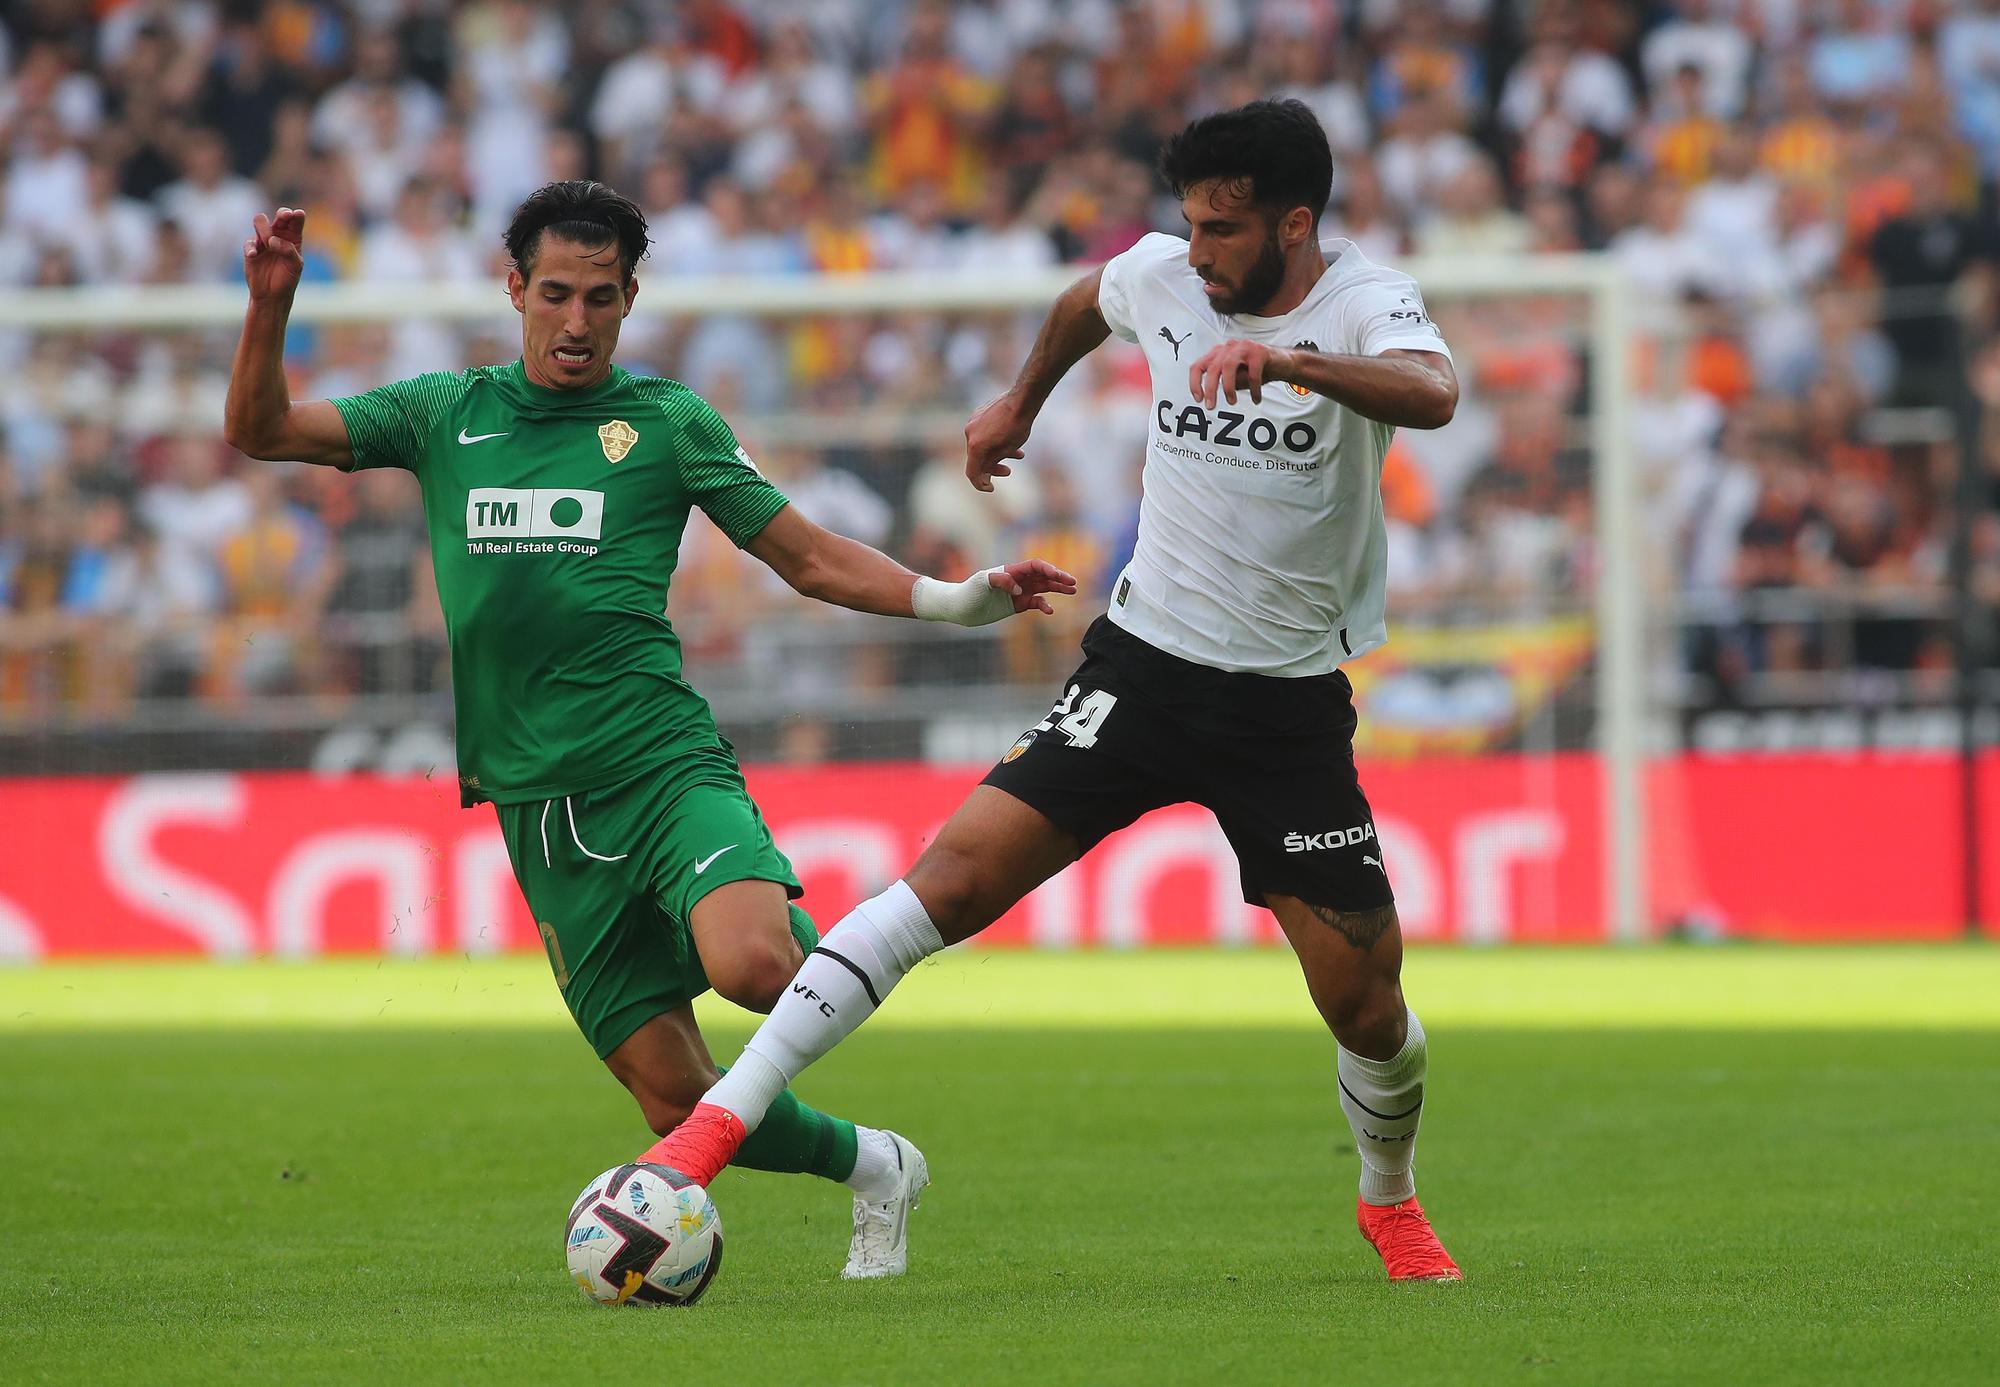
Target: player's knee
[
  {"x": 1371, "y": 1020},
  {"x": 946, "y": 878},
  {"x": 754, "y": 977}
]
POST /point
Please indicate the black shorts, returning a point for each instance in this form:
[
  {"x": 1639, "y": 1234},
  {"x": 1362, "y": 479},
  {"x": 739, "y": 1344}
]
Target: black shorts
[{"x": 1137, "y": 729}]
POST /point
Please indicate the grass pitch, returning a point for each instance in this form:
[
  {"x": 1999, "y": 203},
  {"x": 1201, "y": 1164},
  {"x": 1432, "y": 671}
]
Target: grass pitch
[{"x": 1655, "y": 1165}]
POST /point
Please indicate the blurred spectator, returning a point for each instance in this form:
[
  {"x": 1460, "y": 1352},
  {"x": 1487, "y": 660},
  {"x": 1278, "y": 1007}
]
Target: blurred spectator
[
  {"x": 1710, "y": 495},
  {"x": 1472, "y": 219},
  {"x": 831, "y": 497},
  {"x": 378, "y": 80},
  {"x": 913, "y": 234},
  {"x": 1612, "y": 204},
  {"x": 1662, "y": 256},
  {"x": 1003, "y": 238},
  {"x": 1558, "y": 77},
  {"x": 1681, "y": 139},
  {"x": 33, "y": 556},
  {"x": 1032, "y": 125},
  {"x": 1832, "y": 336},
  {"x": 149, "y": 88},
  {"x": 1968, "y": 47},
  {"x": 101, "y": 594},
  {"x": 1423, "y": 56},
  {"x": 510, "y": 58},
  {"x": 1042, "y": 650},
  {"x": 925, "y": 112},
  {"x": 1553, "y": 225},
  {"x": 1733, "y": 215},
  {"x": 212, "y": 206},
  {"x": 1307, "y": 70},
  {"x": 1361, "y": 214},
  {"x": 1717, "y": 51},
  {"x": 1861, "y": 52},
  {"x": 1801, "y": 140},
  {"x": 114, "y": 238},
  {"x": 793, "y": 72},
  {"x": 271, "y": 580},
  {"x": 1919, "y": 256},
  {"x": 243, "y": 93},
  {"x": 194, "y": 512},
  {"x": 47, "y": 178},
  {"x": 646, "y": 95},
  {"x": 1425, "y": 154},
  {"x": 47, "y": 79},
  {"x": 419, "y": 244},
  {"x": 1094, "y": 430},
  {"x": 380, "y": 572}
]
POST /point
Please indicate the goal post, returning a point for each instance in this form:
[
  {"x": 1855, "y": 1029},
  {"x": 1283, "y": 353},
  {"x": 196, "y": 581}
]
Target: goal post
[{"x": 1605, "y": 327}]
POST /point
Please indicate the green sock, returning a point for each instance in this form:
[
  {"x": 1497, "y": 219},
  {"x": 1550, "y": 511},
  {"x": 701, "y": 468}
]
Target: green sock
[{"x": 794, "y": 1139}]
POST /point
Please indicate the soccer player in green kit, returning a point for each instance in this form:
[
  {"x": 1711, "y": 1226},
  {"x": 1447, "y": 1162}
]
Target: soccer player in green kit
[{"x": 556, "y": 490}]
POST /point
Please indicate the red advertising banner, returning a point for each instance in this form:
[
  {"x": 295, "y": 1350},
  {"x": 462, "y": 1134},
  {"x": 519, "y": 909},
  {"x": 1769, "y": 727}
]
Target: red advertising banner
[{"x": 1487, "y": 849}]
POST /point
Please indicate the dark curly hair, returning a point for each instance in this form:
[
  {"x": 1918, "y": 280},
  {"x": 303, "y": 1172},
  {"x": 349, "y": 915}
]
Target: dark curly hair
[
  {"x": 580, "y": 210},
  {"x": 1272, "y": 152}
]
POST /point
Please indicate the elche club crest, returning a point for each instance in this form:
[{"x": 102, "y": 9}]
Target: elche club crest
[{"x": 617, "y": 438}]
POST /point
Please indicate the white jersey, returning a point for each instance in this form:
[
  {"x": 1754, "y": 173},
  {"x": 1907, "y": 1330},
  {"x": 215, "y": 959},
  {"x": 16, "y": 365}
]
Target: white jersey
[{"x": 1261, "y": 543}]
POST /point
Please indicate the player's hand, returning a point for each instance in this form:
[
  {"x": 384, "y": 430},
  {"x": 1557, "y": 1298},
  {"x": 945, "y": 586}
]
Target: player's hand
[
  {"x": 1027, "y": 580},
  {"x": 272, "y": 257},
  {"x": 1237, "y": 365},
  {"x": 994, "y": 434}
]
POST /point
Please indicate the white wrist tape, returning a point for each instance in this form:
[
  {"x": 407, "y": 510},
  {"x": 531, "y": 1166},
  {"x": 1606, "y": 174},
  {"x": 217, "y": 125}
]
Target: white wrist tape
[{"x": 974, "y": 602}]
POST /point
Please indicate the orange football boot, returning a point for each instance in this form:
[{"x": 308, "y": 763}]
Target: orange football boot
[
  {"x": 701, "y": 1146},
  {"x": 1410, "y": 1249}
]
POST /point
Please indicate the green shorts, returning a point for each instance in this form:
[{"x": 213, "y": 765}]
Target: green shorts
[{"x": 612, "y": 876}]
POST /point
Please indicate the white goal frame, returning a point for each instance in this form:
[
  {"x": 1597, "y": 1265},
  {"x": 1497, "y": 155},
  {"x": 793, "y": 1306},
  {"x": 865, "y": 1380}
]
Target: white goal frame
[{"x": 1621, "y": 614}]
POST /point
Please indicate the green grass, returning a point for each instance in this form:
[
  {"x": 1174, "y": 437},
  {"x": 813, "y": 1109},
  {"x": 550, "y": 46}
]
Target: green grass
[{"x": 1656, "y": 1166}]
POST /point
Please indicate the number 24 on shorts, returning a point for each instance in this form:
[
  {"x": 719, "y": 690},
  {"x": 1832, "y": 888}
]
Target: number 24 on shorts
[{"x": 1079, "y": 716}]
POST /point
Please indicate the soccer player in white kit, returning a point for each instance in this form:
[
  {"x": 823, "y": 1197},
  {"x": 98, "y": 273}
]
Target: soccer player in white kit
[{"x": 1281, "y": 367}]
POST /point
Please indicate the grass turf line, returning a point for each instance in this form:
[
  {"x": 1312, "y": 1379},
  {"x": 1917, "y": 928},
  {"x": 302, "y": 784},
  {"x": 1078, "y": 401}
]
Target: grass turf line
[
  {"x": 1128, "y": 1203},
  {"x": 1929, "y": 987}
]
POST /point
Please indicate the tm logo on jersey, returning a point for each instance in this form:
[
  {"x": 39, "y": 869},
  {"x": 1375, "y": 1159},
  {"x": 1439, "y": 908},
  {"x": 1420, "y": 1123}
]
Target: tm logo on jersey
[{"x": 518, "y": 514}]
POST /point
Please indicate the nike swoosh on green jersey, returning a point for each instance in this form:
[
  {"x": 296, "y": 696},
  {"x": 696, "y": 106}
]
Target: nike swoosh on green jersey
[
  {"x": 463, "y": 437},
  {"x": 703, "y": 865}
]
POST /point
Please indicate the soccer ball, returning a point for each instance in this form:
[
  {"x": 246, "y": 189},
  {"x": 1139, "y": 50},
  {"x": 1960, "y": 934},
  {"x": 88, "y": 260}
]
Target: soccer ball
[{"x": 643, "y": 1235}]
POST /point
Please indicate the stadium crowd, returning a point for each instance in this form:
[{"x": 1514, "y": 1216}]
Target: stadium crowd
[{"x": 1802, "y": 192}]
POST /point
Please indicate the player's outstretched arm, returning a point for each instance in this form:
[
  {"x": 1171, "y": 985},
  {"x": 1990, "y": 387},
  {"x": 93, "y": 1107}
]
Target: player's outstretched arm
[
  {"x": 260, "y": 418},
  {"x": 1073, "y": 330},
  {"x": 847, "y": 573},
  {"x": 1410, "y": 389}
]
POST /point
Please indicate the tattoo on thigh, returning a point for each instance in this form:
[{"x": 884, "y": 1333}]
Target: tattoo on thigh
[{"x": 1361, "y": 928}]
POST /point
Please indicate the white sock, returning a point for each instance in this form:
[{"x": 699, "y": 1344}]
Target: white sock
[
  {"x": 1384, "y": 1100},
  {"x": 875, "y": 1164},
  {"x": 839, "y": 987}
]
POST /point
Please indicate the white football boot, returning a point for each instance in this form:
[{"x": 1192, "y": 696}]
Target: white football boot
[{"x": 881, "y": 1245}]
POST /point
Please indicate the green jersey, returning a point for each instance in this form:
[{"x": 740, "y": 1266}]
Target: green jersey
[{"x": 555, "y": 523}]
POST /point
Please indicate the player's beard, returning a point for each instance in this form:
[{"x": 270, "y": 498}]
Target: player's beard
[{"x": 1260, "y": 282}]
